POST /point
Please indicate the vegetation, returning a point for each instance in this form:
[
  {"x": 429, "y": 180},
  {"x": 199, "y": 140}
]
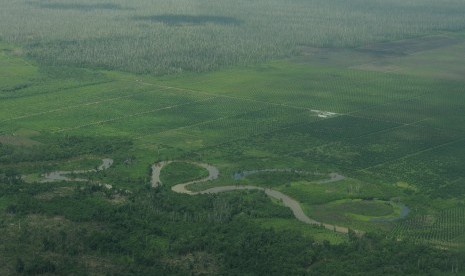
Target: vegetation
[
  {"x": 354, "y": 110},
  {"x": 87, "y": 232},
  {"x": 180, "y": 172},
  {"x": 161, "y": 37},
  {"x": 445, "y": 228}
]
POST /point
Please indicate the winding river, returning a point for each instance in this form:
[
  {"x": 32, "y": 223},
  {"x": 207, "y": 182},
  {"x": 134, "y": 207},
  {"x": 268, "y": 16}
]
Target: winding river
[
  {"x": 213, "y": 174},
  {"x": 68, "y": 175}
]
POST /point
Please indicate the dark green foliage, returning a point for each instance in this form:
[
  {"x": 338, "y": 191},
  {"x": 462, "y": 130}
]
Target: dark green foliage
[
  {"x": 80, "y": 74},
  {"x": 154, "y": 235},
  {"x": 374, "y": 255},
  {"x": 16, "y": 87},
  {"x": 271, "y": 179},
  {"x": 19, "y": 267},
  {"x": 40, "y": 266},
  {"x": 9, "y": 177},
  {"x": 55, "y": 147}
]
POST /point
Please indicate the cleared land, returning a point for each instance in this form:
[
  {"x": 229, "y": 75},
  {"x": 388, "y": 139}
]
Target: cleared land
[{"x": 383, "y": 129}]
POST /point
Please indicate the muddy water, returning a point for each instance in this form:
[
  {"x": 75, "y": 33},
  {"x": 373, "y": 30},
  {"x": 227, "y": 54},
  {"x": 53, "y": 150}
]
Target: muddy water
[
  {"x": 156, "y": 170},
  {"x": 213, "y": 174},
  {"x": 67, "y": 175}
]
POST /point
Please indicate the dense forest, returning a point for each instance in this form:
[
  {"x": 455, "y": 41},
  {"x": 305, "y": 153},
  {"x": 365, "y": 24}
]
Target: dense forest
[
  {"x": 83, "y": 228},
  {"x": 84, "y": 232}
]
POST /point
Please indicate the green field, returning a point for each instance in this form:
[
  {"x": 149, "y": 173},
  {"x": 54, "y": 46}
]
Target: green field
[
  {"x": 358, "y": 120},
  {"x": 262, "y": 117},
  {"x": 178, "y": 172}
]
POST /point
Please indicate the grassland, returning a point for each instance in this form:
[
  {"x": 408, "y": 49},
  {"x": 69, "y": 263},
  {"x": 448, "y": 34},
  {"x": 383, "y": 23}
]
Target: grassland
[{"x": 179, "y": 172}]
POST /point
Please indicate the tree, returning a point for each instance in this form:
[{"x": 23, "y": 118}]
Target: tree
[{"x": 19, "y": 267}]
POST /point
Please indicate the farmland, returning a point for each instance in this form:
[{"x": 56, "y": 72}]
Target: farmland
[{"x": 360, "y": 121}]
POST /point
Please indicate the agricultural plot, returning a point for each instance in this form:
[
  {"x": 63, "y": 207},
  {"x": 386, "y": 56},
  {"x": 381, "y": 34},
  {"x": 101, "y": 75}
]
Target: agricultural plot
[
  {"x": 436, "y": 170},
  {"x": 372, "y": 150},
  {"x": 442, "y": 229},
  {"x": 332, "y": 89},
  {"x": 387, "y": 137}
]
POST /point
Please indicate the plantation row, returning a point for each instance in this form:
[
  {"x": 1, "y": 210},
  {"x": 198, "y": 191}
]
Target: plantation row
[
  {"x": 262, "y": 116},
  {"x": 446, "y": 228},
  {"x": 160, "y": 38},
  {"x": 437, "y": 170},
  {"x": 278, "y": 115}
]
